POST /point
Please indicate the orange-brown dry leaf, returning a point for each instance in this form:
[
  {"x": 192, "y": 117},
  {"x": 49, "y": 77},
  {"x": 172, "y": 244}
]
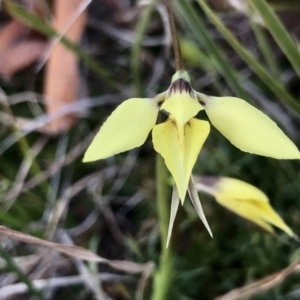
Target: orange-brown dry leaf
[
  {"x": 11, "y": 34},
  {"x": 20, "y": 56},
  {"x": 62, "y": 73},
  {"x": 10, "y": 59},
  {"x": 17, "y": 49}
]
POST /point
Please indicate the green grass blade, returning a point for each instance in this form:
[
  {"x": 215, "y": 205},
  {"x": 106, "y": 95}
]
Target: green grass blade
[
  {"x": 266, "y": 50},
  {"x": 279, "y": 33},
  {"x": 274, "y": 85},
  {"x": 285, "y": 4},
  {"x": 22, "y": 276}
]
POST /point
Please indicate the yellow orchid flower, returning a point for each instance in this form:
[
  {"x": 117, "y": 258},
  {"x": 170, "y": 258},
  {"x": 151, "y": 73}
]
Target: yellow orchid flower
[
  {"x": 243, "y": 199},
  {"x": 180, "y": 138}
]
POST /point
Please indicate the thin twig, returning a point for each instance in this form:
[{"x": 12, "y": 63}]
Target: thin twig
[
  {"x": 22, "y": 173},
  {"x": 62, "y": 203},
  {"x": 69, "y": 158},
  {"x": 20, "y": 288},
  {"x": 91, "y": 282},
  {"x": 261, "y": 285}
]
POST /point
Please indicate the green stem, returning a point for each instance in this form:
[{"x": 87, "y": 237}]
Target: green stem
[
  {"x": 176, "y": 47},
  {"x": 13, "y": 267},
  {"x": 162, "y": 277}
]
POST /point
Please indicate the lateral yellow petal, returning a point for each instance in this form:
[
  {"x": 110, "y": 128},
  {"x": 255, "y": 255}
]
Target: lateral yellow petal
[
  {"x": 180, "y": 145},
  {"x": 243, "y": 199},
  {"x": 248, "y": 128},
  {"x": 126, "y": 128},
  {"x": 182, "y": 106}
]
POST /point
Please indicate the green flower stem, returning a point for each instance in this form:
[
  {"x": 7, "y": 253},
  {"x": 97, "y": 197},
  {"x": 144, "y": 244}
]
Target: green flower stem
[
  {"x": 176, "y": 47},
  {"x": 162, "y": 277}
]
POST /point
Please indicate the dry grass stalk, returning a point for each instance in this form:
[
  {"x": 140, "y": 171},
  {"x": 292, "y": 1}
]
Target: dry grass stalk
[{"x": 261, "y": 285}]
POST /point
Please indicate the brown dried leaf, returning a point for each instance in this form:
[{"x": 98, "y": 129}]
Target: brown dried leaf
[
  {"x": 11, "y": 34},
  {"x": 20, "y": 56},
  {"x": 62, "y": 76},
  {"x": 78, "y": 252}
]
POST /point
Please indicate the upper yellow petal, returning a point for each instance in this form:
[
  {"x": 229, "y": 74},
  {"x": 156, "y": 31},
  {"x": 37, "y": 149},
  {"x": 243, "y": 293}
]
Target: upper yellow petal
[
  {"x": 243, "y": 199},
  {"x": 180, "y": 145},
  {"x": 182, "y": 106},
  {"x": 248, "y": 128},
  {"x": 126, "y": 128}
]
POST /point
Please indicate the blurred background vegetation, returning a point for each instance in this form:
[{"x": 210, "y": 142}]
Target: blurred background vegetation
[{"x": 65, "y": 65}]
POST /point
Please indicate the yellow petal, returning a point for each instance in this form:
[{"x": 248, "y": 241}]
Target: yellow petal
[
  {"x": 182, "y": 106},
  {"x": 243, "y": 199},
  {"x": 248, "y": 128},
  {"x": 180, "y": 145},
  {"x": 126, "y": 128}
]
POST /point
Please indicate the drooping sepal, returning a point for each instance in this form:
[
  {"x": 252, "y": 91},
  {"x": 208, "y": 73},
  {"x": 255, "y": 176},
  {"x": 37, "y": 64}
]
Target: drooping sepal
[
  {"x": 243, "y": 199},
  {"x": 126, "y": 128}
]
